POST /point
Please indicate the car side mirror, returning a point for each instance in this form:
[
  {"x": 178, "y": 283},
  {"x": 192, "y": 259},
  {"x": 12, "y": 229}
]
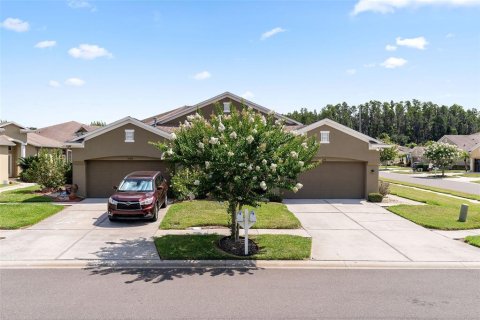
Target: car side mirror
[{"x": 115, "y": 187}]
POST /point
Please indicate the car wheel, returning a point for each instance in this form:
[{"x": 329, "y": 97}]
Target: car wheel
[
  {"x": 155, "y": 212},
  {"x": 165, "y": 202},
  {"x": 112, "y": 218}
]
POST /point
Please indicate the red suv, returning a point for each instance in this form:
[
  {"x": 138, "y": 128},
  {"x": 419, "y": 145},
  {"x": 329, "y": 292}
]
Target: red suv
[{"x": 139, "y": 195}]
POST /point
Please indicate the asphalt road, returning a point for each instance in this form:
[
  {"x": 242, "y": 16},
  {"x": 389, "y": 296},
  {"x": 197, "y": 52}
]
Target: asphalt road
[
  {"x": 473, "y": 188},
  {"x": 234, "y": 294}
]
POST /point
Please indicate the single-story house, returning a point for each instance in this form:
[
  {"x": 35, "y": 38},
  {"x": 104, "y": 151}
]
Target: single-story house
[
  {"x": 101, "y": 158},
  {"x": 469, "y": 143}
]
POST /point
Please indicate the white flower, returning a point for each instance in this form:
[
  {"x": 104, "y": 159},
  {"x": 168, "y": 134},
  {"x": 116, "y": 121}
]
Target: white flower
[
  {"x": 207, "y": 164},
  {"x": 254, "y": 131},
  {"x": 191, "y": 196},
  {"x": 278, "y": 122},
  {"x": 254, "y": 178},
  {"x": 304, "y": 145},
  {"x": 240, "y": 198},
  {"x": 295, "y": 189},
  {"x": 273, "y": 167},
  {"x": 264, "y": 120},
  {"x": 295, "y": 132},
  {"x": 187, "y": 124},
  {"x": 201, "y": 145},
  {"x": 230, "y": 154},
  {"x": 190, "y": 118},
  {"x": 264, "y": 161},
  {"x": 294, "y": 154},
  {"x": 263, "y": 185},
  {"x": 221, "y": 127},
  {"x": 251, "y": 120},
  {"x": 169, "y": 152},
  {"x": 257, "y": 168},
  {"x": 250, "y": 139},
  {"x": 173, "y": 135},
  {"x": 299, "y": 186},
  {"x": 233, "y": 135},
  {"x": 196, "y": 182},
  {"x": 250, "y": 167},
  {"x": 213, "y": 140},
  {"x": 197, "y": 115},
  {"x": 301, "y": 163},
  {"x": 242, "y": 164}
]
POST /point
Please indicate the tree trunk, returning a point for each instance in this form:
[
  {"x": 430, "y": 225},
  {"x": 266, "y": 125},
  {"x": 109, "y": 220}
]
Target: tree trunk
[{"x": 232, "y": 208}]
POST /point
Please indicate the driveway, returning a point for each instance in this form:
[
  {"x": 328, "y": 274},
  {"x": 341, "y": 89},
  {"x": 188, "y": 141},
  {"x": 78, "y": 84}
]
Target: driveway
[
  {"x": 462, "y": 186},
  {"x": 356, "y": 230},
  {"x": 81, "y": 232}
]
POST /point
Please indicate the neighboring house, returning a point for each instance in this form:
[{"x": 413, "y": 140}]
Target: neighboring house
[
  {"x": 417, "y": 154},
  {"x": 101, "y": 158},
  {"x": 469, "y": 143}
]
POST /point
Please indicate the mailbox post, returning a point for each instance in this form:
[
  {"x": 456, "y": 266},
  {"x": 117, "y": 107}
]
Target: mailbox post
[{"x": 246, "y": 220}]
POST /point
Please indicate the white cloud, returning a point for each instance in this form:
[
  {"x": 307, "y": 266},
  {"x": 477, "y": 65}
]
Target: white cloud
[
  {"x": 389, "y": 6},
  {"x": 351, "y": 71},
  {"x": 390, "y": 47},
  {"x": 417, "y": 43},
  {"x": 46, "y": 44},
  {"x": 449, "y": 35},
  {"x": 202, "y": 75},
  {"x": 271, "y": 33},
  {"x": 74, "y": 82},
  {"x": 81, "y": 4},
  {"x": 248, "y": 95},
  {"x": 54, "y": 84},
  {"x": 392, "y": 63},
  {"x": 15, "y": 24},
  {"x": 89, "y": 52}
]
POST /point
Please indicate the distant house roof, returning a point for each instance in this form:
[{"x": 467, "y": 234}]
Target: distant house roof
[
  {"x": 5, "y": 141},
  {"x": 66, "y": 131},
  {"x": 37, "y": 140},
  {"x": 418, "y": 151},
  {"x": 4, "y": 124},
  {"x": 464, "y": 142}
]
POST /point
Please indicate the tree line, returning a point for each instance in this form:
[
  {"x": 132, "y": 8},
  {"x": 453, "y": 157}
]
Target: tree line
[{"x": 404, "y": 122}]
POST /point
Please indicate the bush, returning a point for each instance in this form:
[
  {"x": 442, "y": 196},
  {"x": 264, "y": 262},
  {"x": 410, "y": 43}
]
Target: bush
[
  {"x": 274, "y": 197},
  {"x": 383, "y": 188},
  {"x": 50, "y": 169},
  {"x": 375, "y": 197},
  {"x": 28, "y": 166},
  {"x": 68, "y": 173},
  {"x": 183, "y": 184}
]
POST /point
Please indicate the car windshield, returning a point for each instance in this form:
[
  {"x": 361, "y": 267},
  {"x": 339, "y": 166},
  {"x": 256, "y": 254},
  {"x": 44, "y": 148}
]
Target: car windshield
[{"x": 136, "y": 185}]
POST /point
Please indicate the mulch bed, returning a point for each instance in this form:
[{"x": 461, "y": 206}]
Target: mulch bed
[{"x": 237, "y": 248}]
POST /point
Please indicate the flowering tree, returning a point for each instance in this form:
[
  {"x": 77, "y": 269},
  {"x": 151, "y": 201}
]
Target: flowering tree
[
  {"x": 240, "y": 156},
  {"x": 442, "y": 155}
]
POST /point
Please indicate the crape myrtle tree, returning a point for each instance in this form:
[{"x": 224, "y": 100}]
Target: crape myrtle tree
[
  {"x": 442, "y": 155},
  {"x": 240, "y": 156}
]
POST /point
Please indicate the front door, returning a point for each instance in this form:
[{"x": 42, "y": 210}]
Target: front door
[{"x": 476, "y": 167}]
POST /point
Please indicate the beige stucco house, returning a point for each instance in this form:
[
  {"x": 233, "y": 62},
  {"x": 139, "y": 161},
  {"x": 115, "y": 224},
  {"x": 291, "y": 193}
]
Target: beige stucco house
[
  {"x": 469, "y": 143},
  {"x": 101, "y": 158}
]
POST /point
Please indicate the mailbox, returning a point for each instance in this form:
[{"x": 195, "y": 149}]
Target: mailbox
[
  {"x": 253, "y": 217},
  {"x": 239, "y": 216}
]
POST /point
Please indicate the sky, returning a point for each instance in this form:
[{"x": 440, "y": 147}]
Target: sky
[{"x": 104, "y": 60}]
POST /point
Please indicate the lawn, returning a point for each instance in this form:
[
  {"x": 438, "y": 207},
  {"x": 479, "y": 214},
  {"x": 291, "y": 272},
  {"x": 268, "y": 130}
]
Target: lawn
[
  {"x": 471, "y": 175},
  {"x": 473, "y": 240},
  {"x": 452, "y": 192},
  {"x": 200, "y": 213},
  {"x": 14, "y": 216},
  {"x": 203, "y": 247},
  {"x": 441, "y": 212},
  {"x": 23, "y": 195}
]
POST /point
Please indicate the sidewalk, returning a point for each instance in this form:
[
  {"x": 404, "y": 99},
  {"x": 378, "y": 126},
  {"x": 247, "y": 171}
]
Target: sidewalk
[
  {"x": 17, "y": 186},
  {"x": 457, "y": 234}
]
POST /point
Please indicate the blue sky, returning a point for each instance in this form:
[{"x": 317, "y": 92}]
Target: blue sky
[{"x": 103, "y": 60}]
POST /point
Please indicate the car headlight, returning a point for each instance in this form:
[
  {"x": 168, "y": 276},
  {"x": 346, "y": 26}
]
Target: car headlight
[
  {"x": 112, "y": 201},
  {"x": 146, "y": 201}
]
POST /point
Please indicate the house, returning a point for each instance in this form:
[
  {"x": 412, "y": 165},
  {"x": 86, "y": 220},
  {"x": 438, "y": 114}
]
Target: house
[
  {"x": 101, "y": 158},
  {"x": 469, "y": 143}
]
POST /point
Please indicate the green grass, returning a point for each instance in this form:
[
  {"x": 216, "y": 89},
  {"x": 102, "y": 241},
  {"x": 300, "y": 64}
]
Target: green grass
[
  {"x": 23, "y": 195},
  {"x": 201, "y": 213},
  {"x": 204, "y": 247},
  {"x": 473, "y": 240},
  {"x": 441, "y": 190},
  {"x": 14, "y": 216},
  {"x": 471, "y": 175},
  {"x": 441, "y": 212}
]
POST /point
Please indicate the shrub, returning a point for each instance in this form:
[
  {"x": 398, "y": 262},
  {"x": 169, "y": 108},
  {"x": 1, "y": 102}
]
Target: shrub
[
  {"x": 28, "y": 166},
  {"x": 68, "y": 172},
  {"x": 375, "y": 197},
  {"x": 383, "y": 188},
  {"x": 50, "y": 169},
  {"x": 183, "y": 184},
  {"x": 274, "y": 197}
]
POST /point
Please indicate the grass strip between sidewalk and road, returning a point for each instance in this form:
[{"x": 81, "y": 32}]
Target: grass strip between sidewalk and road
[
  {"x": 204, "y": 247},
  {"x": 435, "y": 189},
  {"x": 440, "y": 212},
  {"x": 201, "y": 213},
  {"x": 473, "y": 240},
  {"x": 27, "y": 194},
  {"x": 14, "y": 216}
]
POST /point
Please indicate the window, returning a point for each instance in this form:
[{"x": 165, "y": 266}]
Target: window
[
  {"x": 129, "y": 135},
  {"x": 226, "y": 107},
  {"x": 69, "y": 155},
  {"x": 324, "y": 136}
]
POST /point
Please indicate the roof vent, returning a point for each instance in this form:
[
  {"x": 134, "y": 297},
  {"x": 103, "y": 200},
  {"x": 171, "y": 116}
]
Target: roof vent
[
  {"x": 155, "y": 121},
  {"x": 226, "y": 107}
]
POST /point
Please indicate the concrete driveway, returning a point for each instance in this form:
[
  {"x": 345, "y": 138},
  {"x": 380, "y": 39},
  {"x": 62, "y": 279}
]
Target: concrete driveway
[
  {"x": 355, "y": 230},
  {"x": 81, "y": 232}
]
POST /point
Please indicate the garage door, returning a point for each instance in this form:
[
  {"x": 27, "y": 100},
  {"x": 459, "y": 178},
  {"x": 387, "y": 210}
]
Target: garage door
[
  {"x": 332, "y": 180},
  {"x": 102, "y": 175}
]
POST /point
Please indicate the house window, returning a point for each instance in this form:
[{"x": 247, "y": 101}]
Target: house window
[
  {"x": 324, "y": 136},
  {"x": 226, "y": 107},
  {"x": 129, "y": 135},
  {"x": 69, "y": 155}
]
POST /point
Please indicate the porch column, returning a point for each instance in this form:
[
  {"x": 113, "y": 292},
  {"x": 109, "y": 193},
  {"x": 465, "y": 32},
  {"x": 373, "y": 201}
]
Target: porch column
[
  {"x": 23, "y": 150},
  {"x": 472, "y": 164}
]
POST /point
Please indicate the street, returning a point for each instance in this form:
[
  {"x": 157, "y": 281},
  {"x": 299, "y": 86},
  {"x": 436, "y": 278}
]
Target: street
[{"x": 98, "y": 293}]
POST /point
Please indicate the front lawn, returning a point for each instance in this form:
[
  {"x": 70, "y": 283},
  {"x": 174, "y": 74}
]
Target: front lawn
[
  {"x": 14, "y": 216},
  {"x": 473, "y": 240},
  {"x": 23, "y": 195},
  {"x": 204, "y": 247},
  {"x": 201, "y": 213},
  {"x": 441, "y": 212}
]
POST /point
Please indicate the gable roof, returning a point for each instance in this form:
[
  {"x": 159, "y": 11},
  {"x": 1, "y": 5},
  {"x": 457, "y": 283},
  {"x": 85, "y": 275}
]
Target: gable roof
[
  {"x": 179, "y": 112},
  {"x": 465, "y": 142},
  {"x": 4, "y": 124},
  {"x": 64, "y": 131},
  {"x": 118, "y": 124},
  {"x": 373, "y": 143},
  {"x": 5, "y": 141},
  {"x": 37, "y": 140}
]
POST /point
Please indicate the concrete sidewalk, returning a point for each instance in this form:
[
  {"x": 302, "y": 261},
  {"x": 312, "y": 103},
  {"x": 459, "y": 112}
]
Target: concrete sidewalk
[{"x": 17, "y": 186}]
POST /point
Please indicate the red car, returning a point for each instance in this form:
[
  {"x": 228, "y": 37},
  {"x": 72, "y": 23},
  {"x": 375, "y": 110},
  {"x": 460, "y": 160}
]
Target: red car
[{"x": 139, "y": 195}]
